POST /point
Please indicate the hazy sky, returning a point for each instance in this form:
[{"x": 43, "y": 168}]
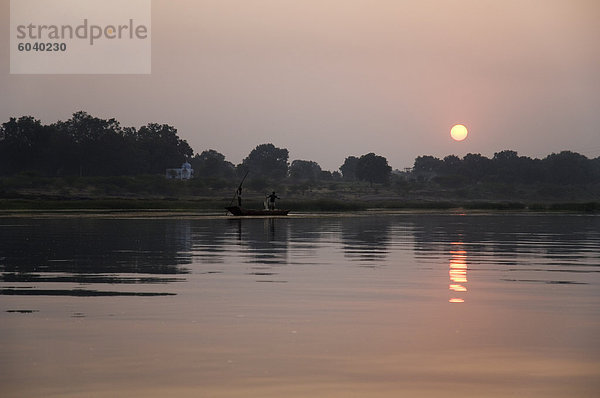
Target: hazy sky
[{"x": 331, "y": 78}]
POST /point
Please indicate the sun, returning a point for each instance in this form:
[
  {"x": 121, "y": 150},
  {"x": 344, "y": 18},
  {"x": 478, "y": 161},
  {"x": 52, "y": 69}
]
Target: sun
[{"x": 459, "y": 132}]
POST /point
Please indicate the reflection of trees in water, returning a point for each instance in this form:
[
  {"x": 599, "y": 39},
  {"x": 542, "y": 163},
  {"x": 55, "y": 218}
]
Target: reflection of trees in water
[
  {"x": 275, "y": 240},
  {"x": 210, "y": 238},
  {"x": 90, "y": 246},
  {"x": 307, "y": 236},
  {"x": 558, "y": 237},
  {"x": 308, "y": 231},
  {"x": 366, "y": 238},
  {"x": 265, "y": 240}
]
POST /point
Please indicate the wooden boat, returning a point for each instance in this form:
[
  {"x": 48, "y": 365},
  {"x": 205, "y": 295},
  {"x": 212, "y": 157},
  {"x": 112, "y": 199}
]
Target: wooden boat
[{"x": 240, "y": 211}]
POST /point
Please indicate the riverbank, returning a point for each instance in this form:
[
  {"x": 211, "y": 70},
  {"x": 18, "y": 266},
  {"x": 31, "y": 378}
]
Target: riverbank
[
  {"x": 295, "y": 205},
  {"x": 28, "y": 192}
]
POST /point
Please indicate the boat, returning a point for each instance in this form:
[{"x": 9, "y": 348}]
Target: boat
[{"x": 241, "y": 211}]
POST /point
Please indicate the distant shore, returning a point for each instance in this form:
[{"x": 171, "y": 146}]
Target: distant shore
[
  {"x": 204, "y": 205},
  {"x": 155, "y": 193}
]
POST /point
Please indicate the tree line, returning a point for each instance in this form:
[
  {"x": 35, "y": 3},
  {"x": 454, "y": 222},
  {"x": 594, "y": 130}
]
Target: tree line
[
  {"x": 565, "y": 168},
  {"x": 86, "y": 145},
  {"x": 89, "y": 146}
]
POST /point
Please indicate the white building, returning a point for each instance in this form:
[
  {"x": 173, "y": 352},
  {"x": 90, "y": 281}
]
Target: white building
[{"x": 184, "y": 173}]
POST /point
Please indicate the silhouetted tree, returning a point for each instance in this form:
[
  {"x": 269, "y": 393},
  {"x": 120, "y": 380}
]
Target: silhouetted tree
[
  {"x": 373, "y": 168},
  {"x": 212, "y": 164},
  {"x": 452, "y": 164},
  {"x": 505, "y": 156},
  {"x": 428, "y": 164},
  {"x": 595, "y": 169},
  {"x": 305, "y": 170},
  {"x": 326, "y": 175},
  {"x": 25, "y": 145},
  {"x": 568, "y": 167},
  {"x": 99, "y": 146},
  {"x": 267, "y": 161},
  {"x": 509, "y": 167},
  {"x": 476, "y": 166},
  {"x": 348, "y": 169},
  {"x": 162, "y": 148}
]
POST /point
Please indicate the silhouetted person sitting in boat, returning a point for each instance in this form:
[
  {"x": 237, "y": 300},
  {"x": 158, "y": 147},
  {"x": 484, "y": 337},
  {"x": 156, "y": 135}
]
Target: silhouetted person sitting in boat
[{"x": 271, "y": 198}]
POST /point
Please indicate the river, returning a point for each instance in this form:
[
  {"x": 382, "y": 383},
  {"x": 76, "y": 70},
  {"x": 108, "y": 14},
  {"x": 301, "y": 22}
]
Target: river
[{"x": 355, "y": 305}]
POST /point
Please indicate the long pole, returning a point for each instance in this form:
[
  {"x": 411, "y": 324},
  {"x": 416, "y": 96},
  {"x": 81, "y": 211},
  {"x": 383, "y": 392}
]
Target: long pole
[{"x": 240, "y": 186}]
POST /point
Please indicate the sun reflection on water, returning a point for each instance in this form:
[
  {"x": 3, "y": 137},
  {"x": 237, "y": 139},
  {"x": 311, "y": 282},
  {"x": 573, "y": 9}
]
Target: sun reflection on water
[{"x": 458, "y": 271}]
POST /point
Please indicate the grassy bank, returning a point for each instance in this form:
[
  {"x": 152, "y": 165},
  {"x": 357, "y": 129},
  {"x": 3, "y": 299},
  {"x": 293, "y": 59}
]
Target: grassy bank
[
  {"x": 108, "y": 204},
  {"x": 295, "y": 205},
  {"x": 28, "y": 191}
]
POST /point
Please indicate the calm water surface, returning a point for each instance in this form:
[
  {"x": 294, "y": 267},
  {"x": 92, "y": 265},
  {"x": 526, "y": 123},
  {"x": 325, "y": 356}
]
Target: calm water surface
[{"x": 378, "y": 305}]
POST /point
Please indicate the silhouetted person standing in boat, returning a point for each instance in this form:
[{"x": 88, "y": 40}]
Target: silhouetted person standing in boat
[
  {"x": 271, "y": 199},
  {"x": 239, "y": 196}
]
